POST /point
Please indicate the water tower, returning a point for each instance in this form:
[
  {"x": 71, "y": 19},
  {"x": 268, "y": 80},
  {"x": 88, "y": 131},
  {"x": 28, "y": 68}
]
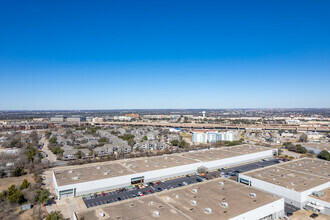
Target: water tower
[{"x": 203, "y": 112}]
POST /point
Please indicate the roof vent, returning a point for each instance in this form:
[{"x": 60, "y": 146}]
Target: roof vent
[
  {"x": 193, "y": 202},
  {"x": 221, "y": 183},
  {"x": 177, "y": 196},
  {"x": 259, "y": 174},
  {"x": 101, "y": 214},
  {"x": 253, "y": 195},
  {"x": 224, "y": 204},
  {"x": 194, "y": 190},
  {"x": 156, "y": 213},
  {"x": 208, "y": 210}
]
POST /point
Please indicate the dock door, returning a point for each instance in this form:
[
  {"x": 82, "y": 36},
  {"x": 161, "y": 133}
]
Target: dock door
[{"x": 137, "y": 180}]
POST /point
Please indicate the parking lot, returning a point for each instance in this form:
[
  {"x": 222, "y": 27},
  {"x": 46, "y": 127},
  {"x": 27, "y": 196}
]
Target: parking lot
[{"x": 153, "y": 187}]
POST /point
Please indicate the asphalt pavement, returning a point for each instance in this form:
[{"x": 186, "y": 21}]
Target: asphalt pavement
[{"x": 130, "y": 192}]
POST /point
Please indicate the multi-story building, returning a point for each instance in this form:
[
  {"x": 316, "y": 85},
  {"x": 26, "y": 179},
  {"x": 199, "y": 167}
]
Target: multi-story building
[{"x": 203, "y": 136}]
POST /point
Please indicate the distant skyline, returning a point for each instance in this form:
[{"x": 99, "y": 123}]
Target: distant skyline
[{"x": 71, "y": 55}]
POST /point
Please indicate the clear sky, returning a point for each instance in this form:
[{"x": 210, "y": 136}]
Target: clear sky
[{"x": 164, "y": 54}]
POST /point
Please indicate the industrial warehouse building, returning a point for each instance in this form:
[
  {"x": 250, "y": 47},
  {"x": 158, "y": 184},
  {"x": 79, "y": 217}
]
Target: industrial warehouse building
[
  {"x": 296, "y": 181},
  {"x": 215, "y": 199},
  {"x": 91, "y": 178}
]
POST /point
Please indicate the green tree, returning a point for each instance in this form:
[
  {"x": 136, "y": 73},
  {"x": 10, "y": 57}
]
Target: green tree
[
  {"x": 2, "y": 174},
  {"x": 43, "y": 196},
  {"x": 19, "y": 171},
  {"x": 54, "y": 215},
  {"x": 145, "y": 138},
  {"x": 53, "y": 140},
  {"x": 25, "y": 184},
  {"x": 182, "y": 144},
  {"x": 57, "y": 150},
  {"x": 79, "y": 154},
  {"x": 325, "y": 155},
  {"x": 175, "y": 142},
  {"x": 14, "y": 195},
  {"x": 31, "y": 152},
  {"x": 103, "y": 140}
]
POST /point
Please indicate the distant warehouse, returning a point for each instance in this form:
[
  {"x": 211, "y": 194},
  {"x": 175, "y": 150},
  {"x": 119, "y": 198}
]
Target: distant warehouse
[
  {"x": 91, "y": 178},
  {"x": 215, "y": 199},
  {"x": 296, "y": 181}
]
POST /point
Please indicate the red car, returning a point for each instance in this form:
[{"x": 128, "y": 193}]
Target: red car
[
  {"x": 149, "y": 191},
  {"x": 103, "y": 194},
  {"x": 158, "y": 183}
]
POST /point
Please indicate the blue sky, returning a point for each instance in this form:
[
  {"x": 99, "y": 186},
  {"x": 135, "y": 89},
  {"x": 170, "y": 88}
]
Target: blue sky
[{"x": 164, "y": 54}]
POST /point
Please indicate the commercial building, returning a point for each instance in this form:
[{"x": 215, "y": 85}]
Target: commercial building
[
  {"x": 133, "y": 115},
  {"x": 208, "y": 136},
  {"x": 57, "y": 119},
  {"x": 76, "y": 119},
  {"x": 122, "y": 118},
  {"x": 294, "y": 180},
  {"x": 319, "y": 201},
  {"x": 215, "y": 199},
  {"x": 91, "y": 178}
]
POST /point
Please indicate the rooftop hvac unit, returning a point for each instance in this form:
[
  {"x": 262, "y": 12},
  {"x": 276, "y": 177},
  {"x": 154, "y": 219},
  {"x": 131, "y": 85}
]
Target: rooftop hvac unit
[
  {"x": 208, "y": 210},
  {"x": 318, "y": 193},
  {"x": 193, "y": 202},
  {"x": 221, "y": 183},
  {"x": 70, "y": 171},
  {"x": 291, "y": 183},
  {"x": 98, "y": 168},
  {"x": 194, "y": 190},
  {"x": 224, "y": 204},
  {"x": 105, "y": 173},
  {"x": 101, "y": 214},
  {"x": 156, "y": 213},
  {"x": 76, "y": 178},
  {"x": 177, "y": 196},
  {"x": 79, "y": 174},
  {"x": 253, "y": 195}
]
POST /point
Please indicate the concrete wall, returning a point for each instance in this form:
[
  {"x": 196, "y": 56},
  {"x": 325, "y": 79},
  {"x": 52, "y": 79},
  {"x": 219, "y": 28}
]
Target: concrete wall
[
  {"x": 276, "y": 209},
  {"x": 155, "y": 175}
]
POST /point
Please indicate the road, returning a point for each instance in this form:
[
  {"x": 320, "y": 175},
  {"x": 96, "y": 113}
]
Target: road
[
  {"x": 51, "y": 157},
  {"x": 225, "y": 126},
  {"x": 118, "y": 195}
]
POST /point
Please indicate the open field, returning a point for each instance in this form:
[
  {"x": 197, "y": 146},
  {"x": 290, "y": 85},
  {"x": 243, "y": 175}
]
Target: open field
[{"x": 5, "y": 183}]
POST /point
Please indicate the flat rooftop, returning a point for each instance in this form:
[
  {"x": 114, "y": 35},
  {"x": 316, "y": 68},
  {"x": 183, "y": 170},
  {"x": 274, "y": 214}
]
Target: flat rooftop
[
  {"x": 96, "y": 171},
  {"x": 299, "y": 175},
  {"x": 188, "y": 202},
  {"x": 325, "y": 197}
]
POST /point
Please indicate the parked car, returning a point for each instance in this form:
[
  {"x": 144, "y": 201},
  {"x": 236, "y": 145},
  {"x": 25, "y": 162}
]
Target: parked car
[{"x": 314, "y": 215}]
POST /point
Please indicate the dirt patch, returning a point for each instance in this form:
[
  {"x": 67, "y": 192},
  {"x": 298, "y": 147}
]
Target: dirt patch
[
  {"x": 304, "y": 214},
  {"x": 36, "y": 212},
  {"x": 5, "y": 183}
]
